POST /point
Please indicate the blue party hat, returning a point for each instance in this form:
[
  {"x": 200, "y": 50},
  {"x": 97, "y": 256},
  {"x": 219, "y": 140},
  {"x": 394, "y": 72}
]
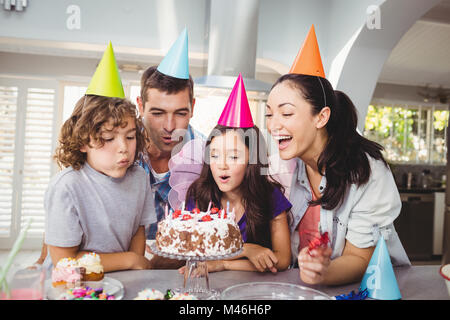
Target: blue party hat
[
  {"x": 379, "y": 279},
  {"x": 176, "y": 61}
]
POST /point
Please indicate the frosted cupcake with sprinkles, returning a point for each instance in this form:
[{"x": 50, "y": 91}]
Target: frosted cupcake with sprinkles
[{"x": 94, "y": 268}]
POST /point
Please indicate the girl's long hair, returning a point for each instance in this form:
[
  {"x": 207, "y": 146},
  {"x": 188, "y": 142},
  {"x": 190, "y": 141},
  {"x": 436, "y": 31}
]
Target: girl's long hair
[
  {"x": 256, "y": 188},
  {"x": 345, "y": 157}
]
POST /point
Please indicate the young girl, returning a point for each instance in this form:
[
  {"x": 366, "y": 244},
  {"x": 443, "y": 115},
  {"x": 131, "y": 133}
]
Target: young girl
[
  {"x": 101, "y": 201},
  {"x": 234, "y": 175},
  {"x": 341, "y": 185}
]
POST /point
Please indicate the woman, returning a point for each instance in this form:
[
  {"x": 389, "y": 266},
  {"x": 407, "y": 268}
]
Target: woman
[{"x": 341, "y": 185}]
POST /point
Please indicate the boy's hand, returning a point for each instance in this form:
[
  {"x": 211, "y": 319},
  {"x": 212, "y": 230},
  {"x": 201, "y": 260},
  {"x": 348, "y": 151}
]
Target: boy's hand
[{"x": 140, "y": 262}]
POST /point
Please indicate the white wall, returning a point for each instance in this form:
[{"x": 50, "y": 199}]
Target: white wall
[
  {"x": 137, "y": 23},
  {"x": 284, "y": 24},
  {"x": 143, "y": 30}
]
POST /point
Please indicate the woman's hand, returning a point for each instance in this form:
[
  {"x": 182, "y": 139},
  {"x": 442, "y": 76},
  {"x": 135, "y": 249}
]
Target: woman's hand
[
  {"x": 314, "y": 266},
  {"x": 262, "y": 258}
]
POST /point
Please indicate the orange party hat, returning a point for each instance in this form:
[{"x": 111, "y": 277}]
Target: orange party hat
[{"x": 308, "y": 60}]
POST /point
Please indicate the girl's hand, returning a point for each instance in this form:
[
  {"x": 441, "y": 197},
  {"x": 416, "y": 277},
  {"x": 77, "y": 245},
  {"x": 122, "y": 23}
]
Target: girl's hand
[
  {"x": 262, "y": 258},
  {"x": 314, "y": 266},
  {"x": 213, "y": 266}
]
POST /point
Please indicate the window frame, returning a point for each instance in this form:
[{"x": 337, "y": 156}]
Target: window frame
[
  {"x": 420, "y": 106},
  {"x": 23, "y": 84}
]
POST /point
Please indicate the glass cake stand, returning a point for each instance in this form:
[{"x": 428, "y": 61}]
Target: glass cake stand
[{"x": 196, "y": 269}]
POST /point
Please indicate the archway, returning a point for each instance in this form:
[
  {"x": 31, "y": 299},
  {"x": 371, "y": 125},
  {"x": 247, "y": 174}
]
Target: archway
[{"x": 356, "y": 69}]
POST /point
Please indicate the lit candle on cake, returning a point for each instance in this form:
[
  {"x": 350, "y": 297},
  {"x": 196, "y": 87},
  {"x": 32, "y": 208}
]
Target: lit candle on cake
[{"x": 232, "y": 215}]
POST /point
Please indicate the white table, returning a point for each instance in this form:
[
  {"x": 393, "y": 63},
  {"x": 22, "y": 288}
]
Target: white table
[{"x": 415, "y": 282}]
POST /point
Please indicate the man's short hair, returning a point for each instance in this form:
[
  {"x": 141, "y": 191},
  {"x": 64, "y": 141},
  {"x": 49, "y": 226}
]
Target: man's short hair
[{"x": 152, "y": 78}]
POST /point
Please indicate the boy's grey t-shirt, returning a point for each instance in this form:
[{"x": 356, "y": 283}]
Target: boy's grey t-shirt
[{"x": 96, "y": 212}]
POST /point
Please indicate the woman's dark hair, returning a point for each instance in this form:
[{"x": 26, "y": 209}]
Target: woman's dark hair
[
  {"x": 257, "y": 186},
  {"x": 345, "y": 156}
]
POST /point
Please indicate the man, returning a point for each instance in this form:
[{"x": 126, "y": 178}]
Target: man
[{"x": 166, "y": 104}]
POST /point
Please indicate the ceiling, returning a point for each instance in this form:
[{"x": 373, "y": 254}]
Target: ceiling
[{"x": 422, "y": 56}]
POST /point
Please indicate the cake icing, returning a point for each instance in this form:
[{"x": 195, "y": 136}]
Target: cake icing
[
  {"x": 150, "y": 294},
  {"x": 195, "y": 233},
  {"x": 153, "y": 294},
  {"x": 66, "y": 271},
  {"x": 91, "y": 261}
]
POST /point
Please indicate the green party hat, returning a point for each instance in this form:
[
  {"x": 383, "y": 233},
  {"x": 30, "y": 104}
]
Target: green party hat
[{"x": 106, "y": 80}]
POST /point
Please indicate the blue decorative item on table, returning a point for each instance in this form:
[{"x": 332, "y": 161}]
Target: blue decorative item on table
[
  {"x": 379, "y": 279},
  {"x": 361, "y": 295}
]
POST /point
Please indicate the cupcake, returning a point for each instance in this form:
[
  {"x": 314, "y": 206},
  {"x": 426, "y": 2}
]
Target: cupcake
[
  {"x": 67, "y": 272},
  {"x": 150, "y": 294},
  {"x": 94, "y": 268}
]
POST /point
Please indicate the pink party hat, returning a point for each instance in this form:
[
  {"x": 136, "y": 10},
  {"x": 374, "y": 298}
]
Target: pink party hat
[{"x": 236, "y": 113}]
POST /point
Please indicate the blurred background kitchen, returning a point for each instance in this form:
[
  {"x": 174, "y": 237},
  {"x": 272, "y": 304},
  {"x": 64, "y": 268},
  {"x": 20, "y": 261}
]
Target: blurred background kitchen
[{"x": 390, "y": 56}]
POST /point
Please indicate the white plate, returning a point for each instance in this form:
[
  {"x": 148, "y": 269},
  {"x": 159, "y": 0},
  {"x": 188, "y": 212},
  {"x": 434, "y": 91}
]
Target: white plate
[
  {"x": 271, "y": 291},
  {"x": 110, "y": 286}
]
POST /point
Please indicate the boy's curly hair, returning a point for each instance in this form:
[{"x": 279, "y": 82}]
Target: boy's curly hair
[{"x": 85, "y": 123}]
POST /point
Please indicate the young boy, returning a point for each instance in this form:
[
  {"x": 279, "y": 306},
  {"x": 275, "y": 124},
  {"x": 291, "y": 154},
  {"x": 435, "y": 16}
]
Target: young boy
[{"x": 101, "y": 201}]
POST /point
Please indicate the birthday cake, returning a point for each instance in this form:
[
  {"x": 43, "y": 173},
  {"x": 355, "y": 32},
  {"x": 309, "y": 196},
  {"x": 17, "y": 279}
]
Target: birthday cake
[{"x": 201, "y": 234}]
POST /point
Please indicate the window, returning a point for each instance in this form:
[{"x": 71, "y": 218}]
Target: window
[
  {"x": 37, "y": 158},
  {"x": 72, "y": 93},
  {"x": 209, "y": 104},
  {"x": 409, "y": 133},
  {"x": 8, "y": 114},
  {"x": 27, "y": 113}
]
